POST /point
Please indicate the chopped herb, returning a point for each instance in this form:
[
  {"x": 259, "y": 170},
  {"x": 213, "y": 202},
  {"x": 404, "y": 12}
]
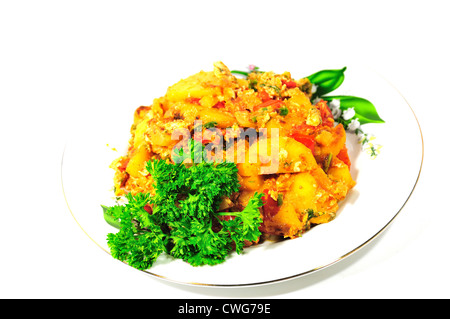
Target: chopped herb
[
  {"x": 280, "y": 199},
  {"x": 210, "y": 124},
  {"x": 286, "y": 164},
  {"x": 310, "y": 213},
  {"x": 253, "y": 85},
  {"x": 327, "y": 162},
  {"x": 276, "y": 88},
  {"x": 284, "y": 111}
]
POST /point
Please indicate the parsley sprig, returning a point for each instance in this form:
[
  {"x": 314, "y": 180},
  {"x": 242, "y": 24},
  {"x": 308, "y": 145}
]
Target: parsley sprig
[
  {"x": 181, "y": 218},
  {"x": 140, "y": 240}
]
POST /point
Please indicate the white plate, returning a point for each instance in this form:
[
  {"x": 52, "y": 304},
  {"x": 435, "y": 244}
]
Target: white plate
[{"x": 383, "y": 187}]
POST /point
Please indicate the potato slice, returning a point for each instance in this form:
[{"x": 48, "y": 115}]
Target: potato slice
[
  {"x": 138, "y": 161},
  {"x": 223, "y": 119}
]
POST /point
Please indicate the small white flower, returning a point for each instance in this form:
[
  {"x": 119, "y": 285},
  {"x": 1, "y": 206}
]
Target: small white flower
[
  {"x": 354, "y": 125},
  {"x": 336, "y": 113},
  {"x": 367, "y": 143},
  {"x": 348, "y": 113},
  {"x": 335, "y": 107},
  {"x": 335, "y": 104},
  {"x": 314, "y": 88}
]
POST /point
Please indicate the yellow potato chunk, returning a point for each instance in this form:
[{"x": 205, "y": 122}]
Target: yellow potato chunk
[
  {"x": 298, "y": 158},
  {"x": 222, "y": 119},
  {"x": 252, "y": 182},
  {"x": 289, "y": 156},
  {"x": 139, "y": 138},
  {"x": 244, "y": 119},
  {"x": 285, "y": 222},
  {"x": 159, "y": 136},
  {"x": 208, "y": 101},
  {"x": 342, "y": 174},
  {"x": 299, "y": 101},
  {"x": 194, "y": 86},
  {"x": 138, "y": 161},
  {"x": 302, "y": 192},
  {"x": 330, "y": 140}
]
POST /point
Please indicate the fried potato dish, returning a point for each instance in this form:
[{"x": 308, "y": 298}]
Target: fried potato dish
[{"x": 312, "y": 167}]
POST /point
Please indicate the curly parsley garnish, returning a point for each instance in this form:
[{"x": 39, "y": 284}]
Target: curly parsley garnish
[{"x": 181, "y": 218}]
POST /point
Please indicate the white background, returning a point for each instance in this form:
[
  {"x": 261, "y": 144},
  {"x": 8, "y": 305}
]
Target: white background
[{"x": 62, "y": 60}]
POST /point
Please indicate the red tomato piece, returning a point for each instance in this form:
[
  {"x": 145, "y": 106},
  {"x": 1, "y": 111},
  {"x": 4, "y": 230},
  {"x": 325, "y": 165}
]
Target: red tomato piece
[
  {"x": 193, "y": 100},
  {"x": 219, "y": 105},
  {"x": 306, "y": 140},
  {"x": 343, "y": 156},
  {"x": 325, "y": 112},
  {"x": 270, "y": 207},
  {"x": 289, "y": 84},
  {"x": 264, "y": 96},
  {"x": 148, "y": 209},
  {"x": 123, "y": 164}
]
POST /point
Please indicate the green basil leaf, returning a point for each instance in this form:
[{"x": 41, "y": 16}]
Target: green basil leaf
[
  {"x": 327, "y": 80},
  {"x": 364, "y": 109}
]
